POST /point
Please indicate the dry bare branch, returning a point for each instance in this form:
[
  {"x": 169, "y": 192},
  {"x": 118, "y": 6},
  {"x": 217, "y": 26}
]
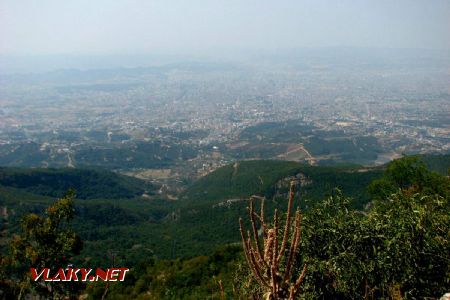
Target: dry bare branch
[{"x": 265, "y": 259}]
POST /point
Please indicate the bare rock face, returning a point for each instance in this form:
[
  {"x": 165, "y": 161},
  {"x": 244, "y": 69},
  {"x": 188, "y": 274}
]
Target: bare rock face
[{"x": 445, "y": 297}]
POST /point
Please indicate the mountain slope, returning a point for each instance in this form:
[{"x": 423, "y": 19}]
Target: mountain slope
[
  {"x": 89, "y": 184},
  {"x": 270, "y": 178}
]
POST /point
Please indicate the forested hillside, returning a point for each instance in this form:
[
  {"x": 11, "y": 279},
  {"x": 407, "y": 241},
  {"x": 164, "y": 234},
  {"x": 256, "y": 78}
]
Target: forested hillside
[
  {"x": 395, "y": 249},
  {"x": 156, "y": 236},
  {"x": 89, "y": 183},
  {"x": 269, "y": 178}
]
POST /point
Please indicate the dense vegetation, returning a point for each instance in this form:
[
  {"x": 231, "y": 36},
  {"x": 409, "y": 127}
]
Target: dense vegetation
[
  {"x": 200, "y": 277},
  {"x": 268, "y": 178},
  {"x": 384, "y": 231},
  {"x": 164, "y": 228},
  {"x": 90, "y": 184},
  {"x": 396, "y": 248},
  {"x": 45, "y": 242},
  {"x": 439, "y": 163}
]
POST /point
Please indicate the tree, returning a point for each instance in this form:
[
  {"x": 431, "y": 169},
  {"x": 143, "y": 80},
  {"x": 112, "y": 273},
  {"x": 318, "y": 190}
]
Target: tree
[
  {"x": 46, "y": 242},
  {"x": 409, "y": 172}
]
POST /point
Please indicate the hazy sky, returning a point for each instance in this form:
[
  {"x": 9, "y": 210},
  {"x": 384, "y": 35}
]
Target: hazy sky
[{"x": 141, "y": 26}]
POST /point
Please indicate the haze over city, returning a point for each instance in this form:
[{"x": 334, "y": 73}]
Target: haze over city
[{"x": 191, "y": 27}]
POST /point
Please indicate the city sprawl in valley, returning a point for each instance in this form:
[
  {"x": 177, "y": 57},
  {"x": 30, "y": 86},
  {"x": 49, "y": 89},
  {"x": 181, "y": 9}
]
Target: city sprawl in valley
[{"x": 183, "y": 120}]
